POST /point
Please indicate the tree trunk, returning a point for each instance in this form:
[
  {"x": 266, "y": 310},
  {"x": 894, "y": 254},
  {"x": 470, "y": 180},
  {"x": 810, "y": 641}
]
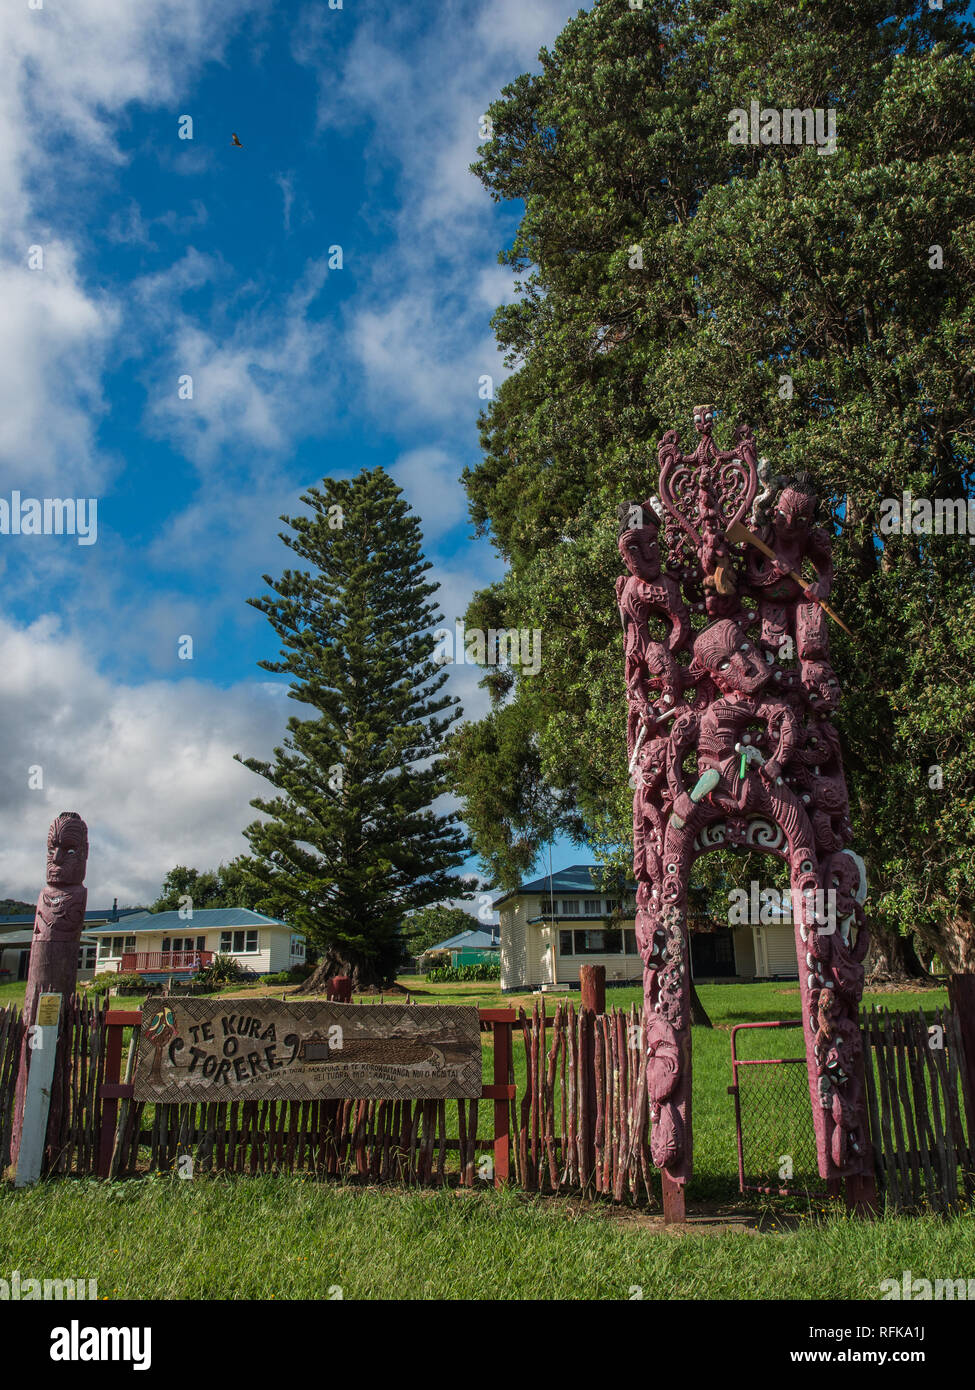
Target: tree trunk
[
  {"x": 363, "y": 974},
  {"x": 699, "y": 1014},
  {"x": 892, "y": 958}
]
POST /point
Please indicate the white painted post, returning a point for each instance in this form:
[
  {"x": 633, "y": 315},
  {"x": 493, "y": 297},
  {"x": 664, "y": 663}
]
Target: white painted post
[{"x": 43, "y": 1043}]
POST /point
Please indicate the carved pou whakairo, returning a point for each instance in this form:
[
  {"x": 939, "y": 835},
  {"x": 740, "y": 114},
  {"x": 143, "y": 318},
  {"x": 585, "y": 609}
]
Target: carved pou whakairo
[
  {"x": 58, "y": 923},
  {"x": 730, "y": 691}
]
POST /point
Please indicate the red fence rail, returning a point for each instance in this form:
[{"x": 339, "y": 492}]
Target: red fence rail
[
  {"x": 361, "y": 1132},
  {"x": 140, "y": 961}
]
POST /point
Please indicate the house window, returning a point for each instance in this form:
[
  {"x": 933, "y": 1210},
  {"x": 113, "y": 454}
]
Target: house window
[
  {"x": 105, "y": 948},
  {"x": 86, "y": 957},
  {"x": 598, "y": 943},
  {"x": 629, "y": 939},
  {"x": 130, "y": 943},
  {"x": 238, "y": 942},
  {"x": 297, "y": 948},
  {"x": 570, "y": 907},
  {"x": 592, "y": 906},
  {"x": 201, "y": 943},
  {"x": 565, "y": 944},
  {"x": 111, "y": 946}
]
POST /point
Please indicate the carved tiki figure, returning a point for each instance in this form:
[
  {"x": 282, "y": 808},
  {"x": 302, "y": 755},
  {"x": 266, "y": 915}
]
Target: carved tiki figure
[
  {"x": 58, "y": 923},
  {"x": 730, "y": 746}
]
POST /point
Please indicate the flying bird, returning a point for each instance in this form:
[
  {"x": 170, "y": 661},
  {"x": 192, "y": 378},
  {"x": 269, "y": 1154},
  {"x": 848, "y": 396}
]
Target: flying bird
[{"x": 235, "y": 141}]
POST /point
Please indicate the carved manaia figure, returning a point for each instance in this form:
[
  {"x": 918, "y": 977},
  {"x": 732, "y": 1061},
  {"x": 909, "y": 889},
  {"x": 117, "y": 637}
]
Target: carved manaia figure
[
  {"x": 834, "y": 959},
  {"x": 794, "y": 537},
  {"x": 652, "y": 672}
]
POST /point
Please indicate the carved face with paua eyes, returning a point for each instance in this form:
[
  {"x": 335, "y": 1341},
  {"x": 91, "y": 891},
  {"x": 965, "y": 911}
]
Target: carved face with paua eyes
[
  {"x": 638, "y": 528},
  {"x": 67, "y": 850},
  {"x": 704, "y": 418},
  {"x": 822, "y": 687},
  {"x": 795, "y": 513},
  {"x": 734, "y": 662}
]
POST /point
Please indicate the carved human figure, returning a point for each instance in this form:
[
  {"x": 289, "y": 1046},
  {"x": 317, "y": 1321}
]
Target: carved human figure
[
  {"x": 58, "y": 923},
  {"x": 652, "y": 672},
  {"x": 743, "y": 739},
  {"x": 788, "y": 612}
]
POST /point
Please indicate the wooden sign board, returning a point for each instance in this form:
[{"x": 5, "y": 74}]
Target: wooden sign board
[{"x": 249, "y": 1049}]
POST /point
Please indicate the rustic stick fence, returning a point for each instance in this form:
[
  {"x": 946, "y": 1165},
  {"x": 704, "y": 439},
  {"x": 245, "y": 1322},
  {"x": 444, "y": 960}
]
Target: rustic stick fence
[
  {"x": 11, "y": 1040},
  {"x": 924, "y": 1150},
  {"x": 573, "y": 1135},
  {"x": 565, "y": 1110}
]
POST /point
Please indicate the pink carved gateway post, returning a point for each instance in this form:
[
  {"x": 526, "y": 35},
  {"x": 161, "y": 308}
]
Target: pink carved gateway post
[
  {"x": 58, "y": 924},
  {"x": 731, "y": 745}
]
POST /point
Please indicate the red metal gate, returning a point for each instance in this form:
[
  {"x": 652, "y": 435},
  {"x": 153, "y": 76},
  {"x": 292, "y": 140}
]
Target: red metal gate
[{"x": 773, "y": 1120}]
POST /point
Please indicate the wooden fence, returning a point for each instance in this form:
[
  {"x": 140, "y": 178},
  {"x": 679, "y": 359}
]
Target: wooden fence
[
  {"x": 566, "y": 1110},
  {"x": 584, "y": 1124},
  {"x": 924, "y": 1156},
  {"x": 11, "y": 1040}
]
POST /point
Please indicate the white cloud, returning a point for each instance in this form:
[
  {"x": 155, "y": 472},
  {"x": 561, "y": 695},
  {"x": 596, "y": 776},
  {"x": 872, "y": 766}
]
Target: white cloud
[
  {"x": 149, "y": 767},
  {"x": 67, "y": 73}
]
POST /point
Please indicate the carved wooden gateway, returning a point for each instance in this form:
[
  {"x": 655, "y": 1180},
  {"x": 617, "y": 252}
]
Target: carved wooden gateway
[{"x": 731, "y": 745}]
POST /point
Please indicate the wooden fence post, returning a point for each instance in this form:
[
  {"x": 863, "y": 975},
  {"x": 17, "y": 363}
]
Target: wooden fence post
[
  {"x": 592, "y": 982},
  {"x": 113, "y": 1089}
]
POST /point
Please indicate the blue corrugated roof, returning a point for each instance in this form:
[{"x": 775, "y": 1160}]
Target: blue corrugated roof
[
  {"x": 474, "y": 939},
  {"x": 578, "y": 878},
  {"x": 203, "y": 917}
]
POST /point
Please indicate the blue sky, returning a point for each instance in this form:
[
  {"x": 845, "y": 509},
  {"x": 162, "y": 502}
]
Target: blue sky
[{"x": 164, "y": 257}]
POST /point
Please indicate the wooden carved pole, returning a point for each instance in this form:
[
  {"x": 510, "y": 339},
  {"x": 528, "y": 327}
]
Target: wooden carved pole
[
  {"x": 58, "y": 924},
  {"x": 731, "y": 745}
]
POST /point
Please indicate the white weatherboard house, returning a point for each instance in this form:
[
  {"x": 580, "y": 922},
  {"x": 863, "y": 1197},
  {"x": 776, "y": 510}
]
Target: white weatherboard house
[
  {"x": 552, "y": 925},
  {"x": 173, "y": 943}
]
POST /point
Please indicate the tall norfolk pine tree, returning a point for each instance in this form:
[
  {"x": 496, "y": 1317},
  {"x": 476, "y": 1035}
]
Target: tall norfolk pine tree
[
  {"x": 350, "y": 842},
  {"x": 826, "y": 299}
]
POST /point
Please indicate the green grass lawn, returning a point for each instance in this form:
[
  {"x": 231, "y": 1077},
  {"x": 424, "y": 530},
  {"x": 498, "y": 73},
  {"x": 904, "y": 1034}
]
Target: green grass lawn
[
  {"x": 263, "y": 1238},
  {"x": 293, "y": 1237}
]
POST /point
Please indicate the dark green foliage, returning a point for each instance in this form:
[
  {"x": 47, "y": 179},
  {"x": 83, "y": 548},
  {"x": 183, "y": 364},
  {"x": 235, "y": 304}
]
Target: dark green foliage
[
  {"x": 758, "y": 261},
  {"x": 13, "y": 907},
  {"x": 428, "y": 925},
  {"x": 124, "y": 984},
  {"x": 350, "y": 843},
  {"x": 227, "y": 886},
  {"x": 452, "y": 974}
]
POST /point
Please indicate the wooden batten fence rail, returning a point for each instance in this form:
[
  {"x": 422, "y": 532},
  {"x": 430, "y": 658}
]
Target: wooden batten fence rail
[
  {"x": 11, "y": 1041},
  {"x": 924, "y": 1150},
  {"x": 577, "y": 1136}
]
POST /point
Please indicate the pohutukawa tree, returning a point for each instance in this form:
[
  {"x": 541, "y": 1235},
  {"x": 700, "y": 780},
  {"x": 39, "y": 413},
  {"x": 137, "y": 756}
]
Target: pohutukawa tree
[
  {"x": 824, "y": 298},
  {"x": 351, "y": 841}
]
